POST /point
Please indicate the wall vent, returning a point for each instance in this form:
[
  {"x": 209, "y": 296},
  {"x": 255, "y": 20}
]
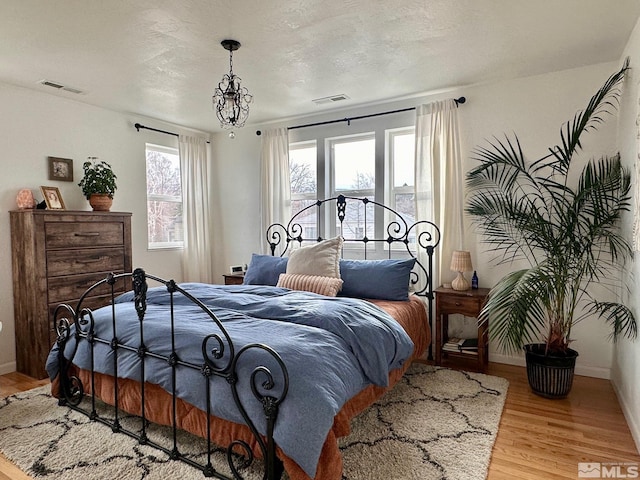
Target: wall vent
[
  {"x": 47, "y": 83},
  {"x": 59, "y": 86},
  {"x": 331, "y": 99}
]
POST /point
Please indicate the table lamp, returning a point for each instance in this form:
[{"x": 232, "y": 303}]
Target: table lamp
[{"x": 461, "y": 262}]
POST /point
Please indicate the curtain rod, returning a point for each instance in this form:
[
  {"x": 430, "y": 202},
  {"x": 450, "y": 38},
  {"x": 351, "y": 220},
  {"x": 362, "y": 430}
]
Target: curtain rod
[
  {"x": 349, "y": 119},
  {"x": 139, "y": 126}
]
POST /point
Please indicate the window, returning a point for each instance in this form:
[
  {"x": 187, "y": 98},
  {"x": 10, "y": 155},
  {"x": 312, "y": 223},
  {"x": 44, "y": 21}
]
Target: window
[
  {"x": 401, "y": 144},
  {"x": 354, "y": 165},
  {"x": 353, "y": 159},
  {"x": 400, "y": 191},
  {"x": 304, "y": 184},
  {"x": 376, "y": 162},
  {"x": 164, "y": 197}
]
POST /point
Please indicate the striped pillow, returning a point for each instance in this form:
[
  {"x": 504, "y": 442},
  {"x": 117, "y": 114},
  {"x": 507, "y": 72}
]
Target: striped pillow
[{"x": 311, "y": 283}]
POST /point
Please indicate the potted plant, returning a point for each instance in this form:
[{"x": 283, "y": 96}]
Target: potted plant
[
  {"x": 560, "y": 216},
  {"x": 98, "y": 184}
]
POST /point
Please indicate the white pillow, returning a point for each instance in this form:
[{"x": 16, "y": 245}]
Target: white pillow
[
  {"x": 327, "y": 286},
  {"x": 321, "y": 259}
]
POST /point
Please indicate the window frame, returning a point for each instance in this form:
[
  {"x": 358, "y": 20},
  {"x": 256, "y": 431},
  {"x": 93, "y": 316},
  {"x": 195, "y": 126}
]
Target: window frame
[
  {"x": 308, "y": 144},
  {"x": 330, "y": 162},
  {"x": 309, "y": 197},
  {"x": 391, "y": 191},
  {"x": 175, "y": 245},
  {"x": 331, "y": 143}
]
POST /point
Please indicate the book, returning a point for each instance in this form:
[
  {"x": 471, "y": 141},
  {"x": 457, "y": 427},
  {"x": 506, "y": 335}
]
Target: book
[
  {"x": 468, "y": 352},
  {"x": 450, "y": 348},
  {"x": 453, "y": 344},
  {"x": 469, "y": 344},
  {"x": 464, "y": 345}
]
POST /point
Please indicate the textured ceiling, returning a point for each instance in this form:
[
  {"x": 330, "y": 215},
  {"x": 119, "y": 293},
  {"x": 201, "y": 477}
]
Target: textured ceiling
[{"x": 163, "y": 59}]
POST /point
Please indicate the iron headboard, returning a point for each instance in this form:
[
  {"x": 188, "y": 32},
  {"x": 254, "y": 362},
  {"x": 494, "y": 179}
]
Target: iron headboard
[{"x": 394, "y": 236}]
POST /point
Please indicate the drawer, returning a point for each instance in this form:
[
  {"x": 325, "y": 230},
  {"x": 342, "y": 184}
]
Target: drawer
[
  {"x": 70, "y": 288},
  {"x": 234, "y": 279},
  {"x": 72, "y": 262},
  {"x": 83, "y": 234},
  {"x": 468, "y": 306}
]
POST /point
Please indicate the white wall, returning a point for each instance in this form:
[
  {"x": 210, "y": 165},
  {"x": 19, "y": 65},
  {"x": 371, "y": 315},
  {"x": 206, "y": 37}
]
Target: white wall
[
  {"x": 237, "y": 178},
  {"x": 626, "y": 363},
  {"x": 534, "y": 107},
  {"x": 34, "y": 126}
]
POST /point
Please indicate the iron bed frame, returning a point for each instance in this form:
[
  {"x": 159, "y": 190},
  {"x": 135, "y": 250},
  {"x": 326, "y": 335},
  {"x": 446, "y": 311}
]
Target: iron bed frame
[{"x": 219, "y": 356}]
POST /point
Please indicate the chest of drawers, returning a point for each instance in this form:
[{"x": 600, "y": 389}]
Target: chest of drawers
[{"x": 56, "y": 256}]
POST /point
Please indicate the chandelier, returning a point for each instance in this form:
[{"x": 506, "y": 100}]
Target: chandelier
[{"x": 231, "y": 100}]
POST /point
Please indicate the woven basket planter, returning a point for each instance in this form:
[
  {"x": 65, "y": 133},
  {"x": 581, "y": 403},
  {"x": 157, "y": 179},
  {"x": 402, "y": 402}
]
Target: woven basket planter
[{"x": 549, "y": 376}]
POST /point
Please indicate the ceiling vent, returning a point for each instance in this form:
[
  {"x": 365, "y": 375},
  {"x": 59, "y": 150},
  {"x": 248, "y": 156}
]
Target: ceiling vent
[
  {"x": 59, "y": 86},
  {"x": 330, "y": 99}
]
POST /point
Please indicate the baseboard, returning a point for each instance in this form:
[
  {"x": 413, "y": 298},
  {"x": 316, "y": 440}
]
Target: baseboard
[
  {"x": 584, "y": 370},
  {"x": 628, "y": 412},
  {"x": 7, "y": 368},
  {"x": 506, "y": 359},
  {"x": 596, "y": 372}
]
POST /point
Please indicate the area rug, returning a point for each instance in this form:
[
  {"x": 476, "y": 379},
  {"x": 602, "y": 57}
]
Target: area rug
[{"x": 436, "y": 424}]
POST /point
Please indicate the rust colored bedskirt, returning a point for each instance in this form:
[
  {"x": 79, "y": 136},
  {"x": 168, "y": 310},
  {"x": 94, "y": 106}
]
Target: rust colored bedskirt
[{"x": 158, "y": 405}]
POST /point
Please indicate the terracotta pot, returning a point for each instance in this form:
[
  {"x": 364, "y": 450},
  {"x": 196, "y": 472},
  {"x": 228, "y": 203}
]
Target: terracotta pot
[{"x": 100, "y": 202}]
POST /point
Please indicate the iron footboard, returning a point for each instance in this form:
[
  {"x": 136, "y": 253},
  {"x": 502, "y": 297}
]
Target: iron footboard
[{"x": 219, "y": 359}]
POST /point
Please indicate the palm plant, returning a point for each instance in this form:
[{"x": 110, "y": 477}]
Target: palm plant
[{"x": 566, "y": 227}]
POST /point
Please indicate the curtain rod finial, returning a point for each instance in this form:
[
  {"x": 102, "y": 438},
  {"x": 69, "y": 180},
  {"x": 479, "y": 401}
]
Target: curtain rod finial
[
  {"x": 460, "y": 100},
  {"x": 258, "y": 132}
]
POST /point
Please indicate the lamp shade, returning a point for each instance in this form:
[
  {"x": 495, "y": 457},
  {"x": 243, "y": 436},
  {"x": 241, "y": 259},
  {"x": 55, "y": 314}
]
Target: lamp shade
[{"x": 461, "y": 261}]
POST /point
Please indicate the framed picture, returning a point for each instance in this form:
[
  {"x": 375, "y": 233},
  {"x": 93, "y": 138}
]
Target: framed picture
[
  {"x": 53, "y": 198},
  {"x": 60, "y": 169}
]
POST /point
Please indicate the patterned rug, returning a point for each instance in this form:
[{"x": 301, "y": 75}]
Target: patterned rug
[{"x": 435, "y": 424}]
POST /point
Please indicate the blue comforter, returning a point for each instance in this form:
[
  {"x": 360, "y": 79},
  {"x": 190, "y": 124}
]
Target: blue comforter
[{"x": 332, "y": 347}]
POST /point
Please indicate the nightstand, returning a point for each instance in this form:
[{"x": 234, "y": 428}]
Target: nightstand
[
  {"x": 468, "y": 303},
  {"x": 233, "y": 278}
]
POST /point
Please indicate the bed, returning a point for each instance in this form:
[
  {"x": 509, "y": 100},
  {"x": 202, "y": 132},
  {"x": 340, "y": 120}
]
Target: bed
[{"x": 274, "y": 371}]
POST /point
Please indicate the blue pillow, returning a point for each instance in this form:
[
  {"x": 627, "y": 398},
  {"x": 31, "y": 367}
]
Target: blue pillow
[
  {"x": 265, "y": 270},
  {"x": 379, "y": 279}
]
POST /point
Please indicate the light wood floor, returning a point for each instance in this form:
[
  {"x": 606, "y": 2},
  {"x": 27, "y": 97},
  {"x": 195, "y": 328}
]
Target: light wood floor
[
  {"x": 545, "y": 439},
  {"x": 538, "y": 438}
]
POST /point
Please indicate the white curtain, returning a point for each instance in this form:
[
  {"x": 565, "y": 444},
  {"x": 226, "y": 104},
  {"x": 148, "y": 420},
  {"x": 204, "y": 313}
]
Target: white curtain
[
  {"x": 439, "y": 180},
  {"x": 276, "y": 184},
  {"x": 197, "y": 257}
]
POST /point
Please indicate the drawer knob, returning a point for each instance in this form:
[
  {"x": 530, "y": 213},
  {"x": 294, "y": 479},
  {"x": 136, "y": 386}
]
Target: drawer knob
[{"x": 458, "y": 304}]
